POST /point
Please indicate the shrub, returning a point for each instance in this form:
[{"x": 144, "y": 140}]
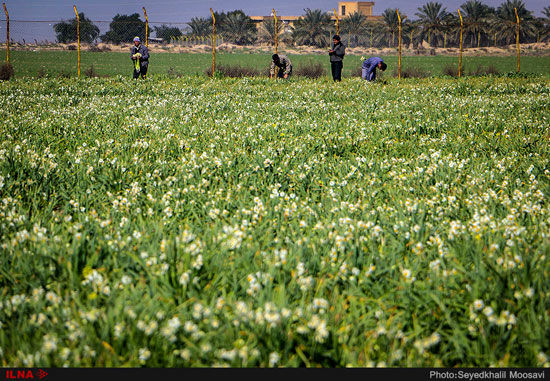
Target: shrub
[
  {"x": 6, "y": 72},
  {"x": 356, "y": 72},
  {"x": 71, "y": 47},
  {"x": 96, "y": 48},
  {"x": 484, "y": 70},
  {"x": 173, "y": 73},
  {"x": 90, "y": 72},
  {"x": 235, "y": 71},
  {"x": 451, "y": 70},
  {"x": 64, "y": 74},
  {"x": 310, "y": 70}
]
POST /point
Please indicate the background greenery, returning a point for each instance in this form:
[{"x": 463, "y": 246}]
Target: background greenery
[{"x": 28, "y": 63}]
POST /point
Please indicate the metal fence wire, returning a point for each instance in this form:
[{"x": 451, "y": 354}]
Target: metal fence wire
[{"x": 393, "y": 32}]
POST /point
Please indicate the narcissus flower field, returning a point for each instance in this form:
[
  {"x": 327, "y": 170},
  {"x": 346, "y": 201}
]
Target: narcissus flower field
[{"x": 252, "y": 223}]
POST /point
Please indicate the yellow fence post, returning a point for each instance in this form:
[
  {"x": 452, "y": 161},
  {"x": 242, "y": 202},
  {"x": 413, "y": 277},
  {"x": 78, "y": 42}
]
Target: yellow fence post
[
  {"x": 337, "y": 22},
  {"x": 276, "y": 38},
  {"x": 399, "y": 64},
  {"x": 460, "y": 51},
  {"x": 8, "y": 34},
  {"x": 146, "y": 27},
  {"x": 213, "y": 43},
  {"x": 77, "y": 36},
  {"x": 276, "y": 30},
  {"x": 517, "y": 34}
]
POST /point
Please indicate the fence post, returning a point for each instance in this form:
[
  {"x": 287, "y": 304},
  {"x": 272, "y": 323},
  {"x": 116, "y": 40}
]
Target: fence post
[
  {"x": 460, "y": 51},
  {"x": 8, "y": 34},
  {"x": 337, "y": 22},
  {"x": 276, "y": 38},
  {"x": 399, "y": 64},
  {"x": 146, "y": 27},
  {"x": 517, "y": 34},
  {"x": 77, "y": 37},
  {"x": 213, "y": 43},
  {"x": 276, "y": 30}
]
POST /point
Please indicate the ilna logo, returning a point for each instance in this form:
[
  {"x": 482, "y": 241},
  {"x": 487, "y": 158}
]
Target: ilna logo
[{"x": 25, "y": 374}]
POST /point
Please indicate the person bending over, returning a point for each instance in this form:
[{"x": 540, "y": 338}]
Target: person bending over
[
  {"x": 283, "y": 64},
  {"x": 369, "y": 67}
]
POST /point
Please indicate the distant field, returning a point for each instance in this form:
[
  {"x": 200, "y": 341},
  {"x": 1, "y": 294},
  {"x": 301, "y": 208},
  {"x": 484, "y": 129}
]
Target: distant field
[{"x": 27, "y": 63}]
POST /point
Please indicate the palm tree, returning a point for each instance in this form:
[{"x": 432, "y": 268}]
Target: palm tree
[
  {"x": 504, "y": 22},
  {"x": 313, "y": 28},
  {"x": 354, "y": 25},
  {"x": 476, "y": 20},
  {"x": 545, "y": 32},
  {"x": 412, "y": 33},
  {"x": 391, "y": 25},
  {"x": 238, "y": 28},
  {"x": 433, "y": 21},
  {"x": 373, "y": 36},
  {"x": 200, "y": 26},
  {"x": 266, "y": 33}
]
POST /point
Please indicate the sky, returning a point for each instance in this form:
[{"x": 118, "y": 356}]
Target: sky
[{"x": 181, "y": 11}]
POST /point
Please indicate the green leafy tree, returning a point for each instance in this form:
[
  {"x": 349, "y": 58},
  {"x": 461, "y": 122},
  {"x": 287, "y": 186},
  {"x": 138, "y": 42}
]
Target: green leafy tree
[
  {"x": 237, "y": 28},
  {"x": 66, "y": 31},
  {"x": 476, "y": 20},
  {"x": 354, "y": 25},
  {"x": 433, "y": 21},
  {"x": 266, "y": 33},
  {"x": 411, "y": 32},
  {"x": 167, "y": 33},
  {"x": 124, "y": 28},
  {"x": 313, "y": 28},
  {"x": 545, "y": 30},
  {"x": 201, "y": 26},
  {"x": 504, "y": 23},
  {"x": 391, "y": 27}
]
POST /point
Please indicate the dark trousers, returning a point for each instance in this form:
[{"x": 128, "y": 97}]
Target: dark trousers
[
  {"x": 336, "y": 68},
  {"x": 142, "y": 71},
  {"x": 281, "y": 72}
]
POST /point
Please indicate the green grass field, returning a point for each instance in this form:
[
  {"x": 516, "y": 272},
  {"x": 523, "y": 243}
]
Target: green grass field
[
  {"x": 27, "y": 63},
  {"x": 187, "y": 222}
]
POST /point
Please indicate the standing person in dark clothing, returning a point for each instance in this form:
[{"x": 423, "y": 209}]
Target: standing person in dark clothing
[
  {"x": 368, "y": 69},
  {"x": 283, "y": 63},
  {"x": 337, "y": 54},
  {"x": 140, "y": 57}
]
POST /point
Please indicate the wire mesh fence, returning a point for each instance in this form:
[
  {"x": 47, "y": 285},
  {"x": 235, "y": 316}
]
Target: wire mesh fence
[{"x": 391, "y": 34}]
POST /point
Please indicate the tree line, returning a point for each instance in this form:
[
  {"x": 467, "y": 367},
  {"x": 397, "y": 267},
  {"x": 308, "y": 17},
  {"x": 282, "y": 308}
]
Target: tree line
[{"x": 482, "y": 26}]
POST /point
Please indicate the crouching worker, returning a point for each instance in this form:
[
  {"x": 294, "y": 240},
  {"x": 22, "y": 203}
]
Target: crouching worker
[
  {"x": 140, "y": 57},
  {"x": 283, "y": 64},
  {"x": 368, "y": 70}
]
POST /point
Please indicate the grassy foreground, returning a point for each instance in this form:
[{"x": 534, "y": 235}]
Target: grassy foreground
[
  {"x": 54, "y": 63},
  {"x": 199, "y": 222}
]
